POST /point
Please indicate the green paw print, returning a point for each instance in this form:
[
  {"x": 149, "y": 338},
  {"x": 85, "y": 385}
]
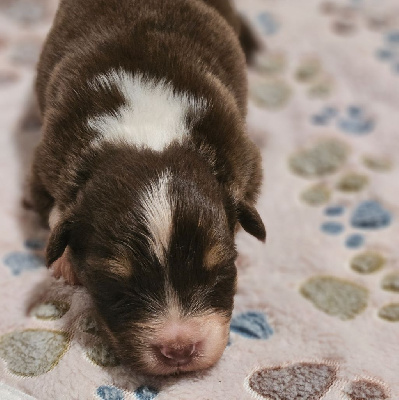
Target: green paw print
[
  {"x": 310, "y": 73},
  {"x": 336, "y": 297},
  {"x": 316, "y": 195},
  {"x": 345, "y": 299},
  {"x": 270, "y": 93},
  {"x": 33, "y": 352},
  {"x": 268, "y": 89},
  {"x": 51, "y": 310},
  {"x": 323, "y": 158}
]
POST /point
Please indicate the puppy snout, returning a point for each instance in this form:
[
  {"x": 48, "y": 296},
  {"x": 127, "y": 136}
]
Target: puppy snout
[
  {"x": 186, "y": 344},
  {"x": 177, "y": 354}
]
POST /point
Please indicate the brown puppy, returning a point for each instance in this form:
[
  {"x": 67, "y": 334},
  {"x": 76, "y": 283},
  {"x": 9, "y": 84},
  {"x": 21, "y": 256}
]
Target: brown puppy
[{"x": 145, "y": 171}]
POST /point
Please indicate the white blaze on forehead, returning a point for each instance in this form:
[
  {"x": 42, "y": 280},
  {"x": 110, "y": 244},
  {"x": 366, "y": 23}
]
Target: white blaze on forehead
[
  {"x": 158, "y": 205},
  {"x": 154, "y": 114}
]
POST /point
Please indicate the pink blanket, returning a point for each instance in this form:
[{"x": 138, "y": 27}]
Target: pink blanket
[{"x": 317, "y": 309}]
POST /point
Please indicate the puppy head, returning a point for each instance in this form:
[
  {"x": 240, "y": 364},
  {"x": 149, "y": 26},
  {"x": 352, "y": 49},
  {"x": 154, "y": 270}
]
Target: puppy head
[{"x": 157, "y": 255}]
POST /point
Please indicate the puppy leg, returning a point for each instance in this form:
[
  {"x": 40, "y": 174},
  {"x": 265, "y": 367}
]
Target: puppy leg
[{"x": 39, "y": 199}]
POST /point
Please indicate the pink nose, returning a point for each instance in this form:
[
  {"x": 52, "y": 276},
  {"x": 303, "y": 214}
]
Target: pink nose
[{"x": 178, "y": 355}]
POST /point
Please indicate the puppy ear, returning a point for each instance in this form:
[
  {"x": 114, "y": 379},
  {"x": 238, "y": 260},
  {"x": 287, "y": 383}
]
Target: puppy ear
[{"x": 251, "y": 221}]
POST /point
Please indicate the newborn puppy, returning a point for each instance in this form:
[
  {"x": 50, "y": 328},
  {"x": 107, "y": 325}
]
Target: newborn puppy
[{"x": 145, "y": 171}]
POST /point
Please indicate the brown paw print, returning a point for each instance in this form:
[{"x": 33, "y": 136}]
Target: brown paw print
[
  {"x": 306, "y": 381},
  {"x": 364, "y": 389}
]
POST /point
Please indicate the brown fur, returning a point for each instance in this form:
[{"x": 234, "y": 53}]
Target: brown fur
[{"x": 195, "y": 46}]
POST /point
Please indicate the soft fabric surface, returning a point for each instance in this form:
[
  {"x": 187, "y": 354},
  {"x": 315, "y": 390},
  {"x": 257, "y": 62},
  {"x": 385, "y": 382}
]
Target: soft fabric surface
[{"x": 317, "y": 308}]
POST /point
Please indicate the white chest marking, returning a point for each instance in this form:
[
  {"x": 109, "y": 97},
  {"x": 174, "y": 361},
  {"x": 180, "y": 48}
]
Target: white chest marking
[{"x": 154, "y": 114}]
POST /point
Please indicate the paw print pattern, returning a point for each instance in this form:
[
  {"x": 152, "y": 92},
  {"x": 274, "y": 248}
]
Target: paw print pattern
[
  {"x": 354, "y": 241},
  {"x": 33, "y": 352},
  {"x": 146, "y": 393},
  {"x": 352, "y": 182},
  {"x": 389, "y": 52},
  {"x": 355, "y": 120},
  {"x": 324, "y": 158},
  {"x": 336, "y": 297},
  {"x": 346, "y": 18},
  {"x": 371, "y": 215},
  {"x": 271, "y": 93},
  {"x": 268, "y": 23},
  {"x": 390, "y": 312},
  {"x": 316, "y": 195},
  {"x": 298, "y": 381},
  {"x": 251, "y": 325},
  {"x": 377, "y": 163},
  {"x": 110, "y": 393},
  {"x": 334, "y": 211},
  {"x": 368, "y": 215},
  {"x": 34, "y": 244},
  {"x": 325, "y": 116},
  {"x": 19, "y": 262},
  {"x": 311, "y": 73},
  {"x": 270, "y": 63},
  {"x": 366, "y": 390},
  {"x": 367, "y": 262},
  {"x": 329, "y": 155},
  {"x": 332, "y": 227},
  {"x": 391, "y": 282},
  {"x": 309, "y": 381},
  {"x": 30, "y": 260},
  {"x": 268, "y": 89},
  {"x": 50, "y": 310},
  {"x": 308, "y": 70}
]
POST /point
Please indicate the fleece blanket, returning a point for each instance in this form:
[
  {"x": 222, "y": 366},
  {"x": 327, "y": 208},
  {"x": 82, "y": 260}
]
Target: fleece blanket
[{"x": 317, "y": 309}]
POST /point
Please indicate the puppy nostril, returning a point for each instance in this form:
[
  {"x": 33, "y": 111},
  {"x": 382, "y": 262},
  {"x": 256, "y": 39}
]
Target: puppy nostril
[{"x": 178, "y": 353}]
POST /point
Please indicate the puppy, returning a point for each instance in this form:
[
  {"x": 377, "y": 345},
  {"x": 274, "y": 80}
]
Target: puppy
[{"x": 145, "y": 171}]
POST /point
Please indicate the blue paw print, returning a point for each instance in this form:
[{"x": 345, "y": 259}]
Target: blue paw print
[
  {"x": 367, "y": 215},
  {"x": 146, "y": 393},
  {"x": 34, "y": 244},
  {"x": 354, "y": 121},
  {"x": 18, "y": 262},
  {"x": 325, "y": 116},
  {"x": 252, "y": 325},
  {"x": 370, "y": 215},
  {"x": 110, "y": 393},
  {"x": 268, "y": 23},
  {"x": 332, "y": 228},
  {"x": 354, "y": 241},
  {"x": 334, "y": 211},
  {"x": 390, "y": 51}
]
